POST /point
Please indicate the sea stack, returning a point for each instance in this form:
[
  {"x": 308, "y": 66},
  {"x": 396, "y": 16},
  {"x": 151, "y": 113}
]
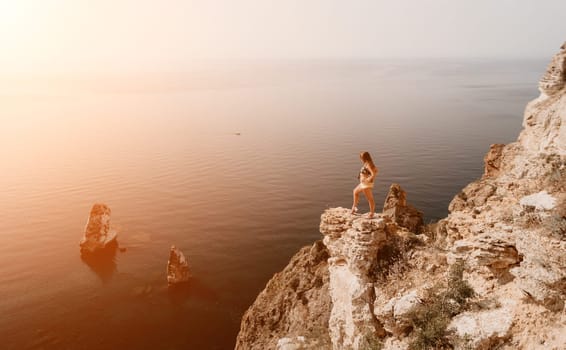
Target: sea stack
[
  {"x": 98, "y": 234},
  {"x": 177, "y": 267}
]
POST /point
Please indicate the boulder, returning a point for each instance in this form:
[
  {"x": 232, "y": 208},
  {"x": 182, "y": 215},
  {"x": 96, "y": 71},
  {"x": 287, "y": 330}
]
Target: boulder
[
  {"x": 495, "y": 250},
  {"x": 492, "y": 160},
  {"x": 396, "y": 208},
  {"x": 177, "y": 267},
  {"x": 484, "y": 328},
  {"x": 98, "y": 235}
]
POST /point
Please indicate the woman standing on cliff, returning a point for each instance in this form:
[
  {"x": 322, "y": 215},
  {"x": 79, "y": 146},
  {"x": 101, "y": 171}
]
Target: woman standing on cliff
[{"x": 367, "y": 175}]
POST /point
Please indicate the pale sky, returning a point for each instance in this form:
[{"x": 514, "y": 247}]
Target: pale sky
[{"x": 154, "y": 35}]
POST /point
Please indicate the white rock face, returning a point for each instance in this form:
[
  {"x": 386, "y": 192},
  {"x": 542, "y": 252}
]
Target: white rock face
[
  {"x": 393, "y": 312},
  {"x": 540, "y": 201},
  {"x": 542, "y": 273},
  {"x": 177, "y": 267},
  {"x": 404, "y": 304},
  {"x": 98, "y": 234},
  {"x": 353, "y": 243},
  {"x": 555, "y": 77},
  {"x": 395, "y": 344},
  {"x": 483, "y": 325},
  {"x": 296, "y": 343},
  {"x": 544, "y": 129},
  {"x": 509, "y": 227}
]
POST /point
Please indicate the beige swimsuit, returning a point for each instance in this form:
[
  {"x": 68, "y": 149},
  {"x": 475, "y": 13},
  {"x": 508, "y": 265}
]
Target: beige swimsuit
[{"x": 365, "y": 175}]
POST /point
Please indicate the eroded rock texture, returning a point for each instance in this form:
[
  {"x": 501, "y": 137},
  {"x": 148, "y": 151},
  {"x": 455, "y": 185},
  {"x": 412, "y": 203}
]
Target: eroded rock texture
[
  {"x": 177, "y": 267},
  {"x": 553, "y": 80},
  {"x": 353, "y": 243},
  {"x": 510, "y": 226},
  {"x": 507, "y": 228},
  {"x": 98, "y": 235},
  {"x": 293, "y": 310},
  {"x": 513, "y": 218},
  {"x": 396, "y": 208}
]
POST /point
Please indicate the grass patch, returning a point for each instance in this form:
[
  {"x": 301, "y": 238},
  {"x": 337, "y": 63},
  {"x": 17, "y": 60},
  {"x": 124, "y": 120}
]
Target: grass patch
[
  {"x": 371, "y": 342},
  {"x": 555, "y": 224},
  {"x": 430, "y": 319},
  {"x": 393, "y": 259}
]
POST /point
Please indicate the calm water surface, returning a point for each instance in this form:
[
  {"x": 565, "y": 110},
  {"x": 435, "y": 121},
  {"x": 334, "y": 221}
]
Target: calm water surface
[{"x": 162, "y": 151}]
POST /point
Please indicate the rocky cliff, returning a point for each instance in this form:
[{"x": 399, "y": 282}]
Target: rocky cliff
[{"x": 491, "y": 274}]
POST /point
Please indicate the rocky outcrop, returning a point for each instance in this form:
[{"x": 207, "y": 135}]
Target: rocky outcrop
[
  {"x": 293, "y": 310},
  {"x": 98, "y": 235},
  {"x": 353, "y": 243},
  {"x": 397, "y": 209},
  {"x": 177, "y": 267},
  {"x": 510, "y": 226},
  {"x": 485, "y": 329},
  {"x": 494, "y": 250},
  {"x": 324, "y": 298},
  {"x": 511, "y": 218},
  {"x": 506, "y": 232},
  {"x": 492, "y": 160},
  {"x": 555, "y": 77},
  {"x": 544, "y": 130},
  {"x": 393, "y": 310}
]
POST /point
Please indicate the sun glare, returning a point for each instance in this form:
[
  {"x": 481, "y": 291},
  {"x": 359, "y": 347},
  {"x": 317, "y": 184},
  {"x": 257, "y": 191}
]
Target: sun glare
[
  {"x": 24, "y": 31},
  {"x": 14, "y": 15}
]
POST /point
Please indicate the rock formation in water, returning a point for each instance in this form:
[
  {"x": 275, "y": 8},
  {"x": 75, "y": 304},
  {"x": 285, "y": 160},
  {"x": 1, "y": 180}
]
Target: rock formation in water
[
  {"x": 491, "y": 274},
  {"x": 98, "y": 234},
  {"x": 177, "y": 267}
]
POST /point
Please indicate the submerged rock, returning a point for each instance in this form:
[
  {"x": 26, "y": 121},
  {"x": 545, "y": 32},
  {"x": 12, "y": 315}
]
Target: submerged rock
[
  {"x": 98, "y": 234},
  {"x": 177, "y": 267}
]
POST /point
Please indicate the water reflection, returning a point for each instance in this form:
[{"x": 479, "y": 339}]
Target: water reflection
[
  {"x": 103, "y": 262},
  {"x": 192, "y": 289},
  {"x": 171, "y": 166}
]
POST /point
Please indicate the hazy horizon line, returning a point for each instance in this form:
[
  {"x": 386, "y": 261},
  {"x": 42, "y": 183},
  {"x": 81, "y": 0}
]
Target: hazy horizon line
[{"x": 190, "y": 65}]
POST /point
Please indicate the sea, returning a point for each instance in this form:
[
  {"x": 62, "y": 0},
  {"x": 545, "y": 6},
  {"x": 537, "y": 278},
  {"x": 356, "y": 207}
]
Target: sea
[{"x": 231, "y": 162}]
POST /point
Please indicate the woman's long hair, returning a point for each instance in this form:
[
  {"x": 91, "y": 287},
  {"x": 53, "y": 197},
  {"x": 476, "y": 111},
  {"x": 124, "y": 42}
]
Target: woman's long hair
[{"x": 367, "y": 158}]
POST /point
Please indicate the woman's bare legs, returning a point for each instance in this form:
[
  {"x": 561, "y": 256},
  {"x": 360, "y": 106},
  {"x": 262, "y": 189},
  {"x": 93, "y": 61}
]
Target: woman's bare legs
[
  {"x": 357, "y": 191},
  {"x": 369, "y": 195}
]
